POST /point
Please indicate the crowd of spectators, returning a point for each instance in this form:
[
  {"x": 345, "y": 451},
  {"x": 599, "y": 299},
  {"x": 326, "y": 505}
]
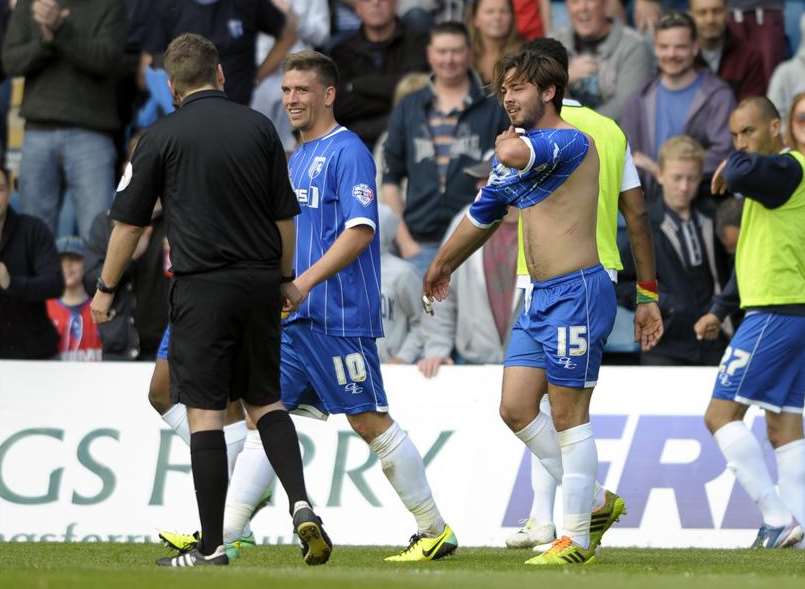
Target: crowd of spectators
[{"x": 416, "y": 86}]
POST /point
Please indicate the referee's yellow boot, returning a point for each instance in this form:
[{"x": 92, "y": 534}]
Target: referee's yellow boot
[{"x": 422, "y": 547}]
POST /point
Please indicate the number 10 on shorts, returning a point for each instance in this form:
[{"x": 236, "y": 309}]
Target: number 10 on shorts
[
  {"x": 355, "y": 367},
  {"x": 571, "y": 339}
]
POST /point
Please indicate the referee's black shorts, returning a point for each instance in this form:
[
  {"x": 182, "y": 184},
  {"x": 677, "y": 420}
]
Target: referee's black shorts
[{"x": 225, "y": 337}]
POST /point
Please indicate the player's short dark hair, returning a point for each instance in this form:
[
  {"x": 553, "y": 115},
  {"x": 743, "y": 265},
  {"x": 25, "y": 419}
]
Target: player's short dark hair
[
  {"x": 539, "y": 69},
  {"x": 677, "y": 20},
  {"x": 309, "y": 60},
  {"x": 551, "y": 48},
  {"x": 763, "y": 104},
  {"x": 450, "y": 27},
  {"x": 728, "y": 214},
  {"x": 191, "y": 62}
]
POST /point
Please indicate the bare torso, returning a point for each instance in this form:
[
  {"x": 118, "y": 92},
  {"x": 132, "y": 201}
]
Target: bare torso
[{"x": 559, "y": 232}]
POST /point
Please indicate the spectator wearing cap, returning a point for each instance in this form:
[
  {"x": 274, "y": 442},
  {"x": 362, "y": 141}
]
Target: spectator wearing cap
[
  {"x": 79, "y": 339},
  {"x": 70, "y": 53},
  {"x": 370, "y": 64},
  {"x": 472, "y": 325},
  {"x": 683, "y": 99},
  {"x": 736, "y": 61},
  {"x": 29, "y": 276},
  {"x": 433, "y": 135},
  {"x": 609, "y": 62},
  {"x": 400, "y": 299}
]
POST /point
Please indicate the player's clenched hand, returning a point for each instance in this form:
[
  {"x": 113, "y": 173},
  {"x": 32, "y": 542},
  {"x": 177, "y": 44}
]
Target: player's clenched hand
[
  {"x": 437, "y": 282},
  {"x": 707, "y": 327},
  {"x": 292, "y": 296},
  {"x": 509, "y": 133},
  {"x": 647, "y": 325},
  {"x": 101, "y": 307},
  {"x": 718, "y": 185},
  {"x": 429, "y": 367}
]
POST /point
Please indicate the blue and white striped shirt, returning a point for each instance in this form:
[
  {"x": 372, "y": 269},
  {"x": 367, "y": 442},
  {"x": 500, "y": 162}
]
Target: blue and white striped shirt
[
  {"x": 555, "y": 155},
  {"x": 334, "y": 181}
]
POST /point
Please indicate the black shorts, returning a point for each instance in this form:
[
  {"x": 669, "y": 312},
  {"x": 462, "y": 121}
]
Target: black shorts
[{"x": 225, "y": 338}]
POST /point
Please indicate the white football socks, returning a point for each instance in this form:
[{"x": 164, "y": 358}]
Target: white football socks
[
  {"x": 580, "y": 462},
  {"x": 176, "y": 418},
  {"x": 544, "y": 486},
  {"x": 250, "y": 480},
  {"x": 745, "y": 459},
  {"x": 235, "y": 435},
  {"x": 791, "y": 477},
  {"x": 404, "y": 469},
  {"x": 540, "y": 437}
]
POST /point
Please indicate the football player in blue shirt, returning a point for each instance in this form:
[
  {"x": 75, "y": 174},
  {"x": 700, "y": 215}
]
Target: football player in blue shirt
[
  {"x": 551, "y": 174},
  {"x": 330, "y": 362}
]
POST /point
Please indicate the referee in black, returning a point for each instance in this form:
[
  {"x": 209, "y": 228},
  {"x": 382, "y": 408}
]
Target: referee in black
[{"x": 222, "y": 175}]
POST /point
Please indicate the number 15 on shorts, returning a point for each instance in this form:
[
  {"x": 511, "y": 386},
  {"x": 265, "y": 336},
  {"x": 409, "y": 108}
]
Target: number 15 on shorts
[{"x": 571, "y": 341}]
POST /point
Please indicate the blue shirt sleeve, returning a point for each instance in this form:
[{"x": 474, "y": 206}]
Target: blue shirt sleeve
[
  {"x": 493, "y": 199},
  {"x": 357, "y": 192},
  {"x": 769, "y": 179}
]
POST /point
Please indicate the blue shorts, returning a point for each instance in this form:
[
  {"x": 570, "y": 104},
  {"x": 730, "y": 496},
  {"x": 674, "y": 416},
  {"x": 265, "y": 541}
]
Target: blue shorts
[
  {"x": 565, "y": 328},
  {"x": 162, "y": 352},
  {"x": 323, "y": 374},
  {"x": 764, "y": 364}
]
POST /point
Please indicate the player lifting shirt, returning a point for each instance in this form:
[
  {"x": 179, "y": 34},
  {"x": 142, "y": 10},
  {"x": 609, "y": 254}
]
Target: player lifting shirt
[{"x": 551, "y": 174}]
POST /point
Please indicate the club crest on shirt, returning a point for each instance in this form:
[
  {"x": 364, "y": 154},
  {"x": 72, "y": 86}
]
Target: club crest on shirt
[
  {"x": 235, "y": 26},
  {"x": 364, "y": 194},
  {"x": 316, "y": 166}
]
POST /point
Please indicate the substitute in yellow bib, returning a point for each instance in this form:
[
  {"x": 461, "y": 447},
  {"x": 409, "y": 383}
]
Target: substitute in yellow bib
[{"x": 765, "y": 362}]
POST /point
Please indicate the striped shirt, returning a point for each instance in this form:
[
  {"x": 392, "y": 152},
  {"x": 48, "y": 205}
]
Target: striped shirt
[
  {"x": 555, "y": 155},
  {"x": 443, "y": 130},
  {"x": 334, "y": 181}
]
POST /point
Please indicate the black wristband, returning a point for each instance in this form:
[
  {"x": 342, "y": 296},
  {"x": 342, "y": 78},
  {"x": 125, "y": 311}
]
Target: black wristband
[
  {"x": 287, "y": 279},
  {"x": 105, "y": 288}
]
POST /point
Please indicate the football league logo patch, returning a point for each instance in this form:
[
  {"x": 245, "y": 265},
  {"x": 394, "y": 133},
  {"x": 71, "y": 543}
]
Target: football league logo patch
[
  {"x": 316, "y": 166},
  {"x": 364, "y": 194}
]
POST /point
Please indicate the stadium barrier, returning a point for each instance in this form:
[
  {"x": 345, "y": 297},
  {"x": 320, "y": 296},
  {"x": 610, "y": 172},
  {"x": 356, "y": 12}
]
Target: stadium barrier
[{"x": 83, "y": 457}]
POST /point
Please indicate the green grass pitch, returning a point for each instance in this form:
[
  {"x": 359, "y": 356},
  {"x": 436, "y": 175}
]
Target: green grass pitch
[{"x": 112, "y": 566}]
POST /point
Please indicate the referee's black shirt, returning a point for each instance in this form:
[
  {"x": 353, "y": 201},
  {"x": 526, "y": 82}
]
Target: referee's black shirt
[{"x": 223, "y": 178}]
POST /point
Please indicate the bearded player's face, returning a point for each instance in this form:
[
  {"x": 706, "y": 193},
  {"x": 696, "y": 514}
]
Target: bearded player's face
[
  {"x": 522, "y": 101},
  {"x": 305, "y": 98}
]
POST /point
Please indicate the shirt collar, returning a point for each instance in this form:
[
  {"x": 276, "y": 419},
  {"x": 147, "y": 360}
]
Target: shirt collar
[
  {"x": 570, "y": 102},
  {"x": 203, "y": 94}
]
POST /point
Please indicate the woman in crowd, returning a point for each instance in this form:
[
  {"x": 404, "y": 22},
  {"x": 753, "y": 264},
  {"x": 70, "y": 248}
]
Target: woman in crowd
[
  {"x": 493, "y": 33},
  {"x": 795, "y": 136}
]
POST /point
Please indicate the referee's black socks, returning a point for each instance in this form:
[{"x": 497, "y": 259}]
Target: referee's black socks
[
  {"x": 210, "y": 477},
  {"x": 281, "y": 444}
]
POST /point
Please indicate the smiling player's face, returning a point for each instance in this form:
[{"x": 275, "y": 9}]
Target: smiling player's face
[
  {"x": 522, "y": 101},
  {"x": 306, "y": 100}
]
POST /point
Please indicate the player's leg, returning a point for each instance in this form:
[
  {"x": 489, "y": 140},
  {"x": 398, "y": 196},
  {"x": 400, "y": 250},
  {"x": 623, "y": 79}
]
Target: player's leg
[
  {"x": 577, "y": 312},
  {"x": 786, "y": 437},
  {"x": 405, "y": 470},
  {"x": 159, "y": 393},
  {"x": 755, "y": 369},
  {"x": 539, "y": 530}
]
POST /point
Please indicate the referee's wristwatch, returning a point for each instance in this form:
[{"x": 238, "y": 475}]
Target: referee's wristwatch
[
  {"x": 105, "y": 288},
  {"x": 287, "y": 279}
]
